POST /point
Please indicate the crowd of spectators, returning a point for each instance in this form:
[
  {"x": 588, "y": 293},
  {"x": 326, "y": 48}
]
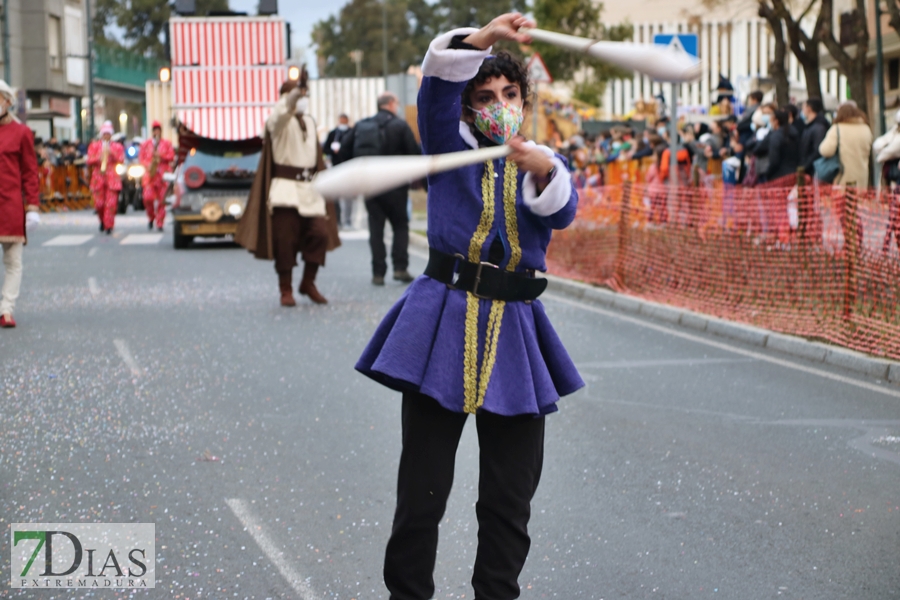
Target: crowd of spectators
[
  {"x": 766, "y": 143},
  {"x": 53, "y": 153}
]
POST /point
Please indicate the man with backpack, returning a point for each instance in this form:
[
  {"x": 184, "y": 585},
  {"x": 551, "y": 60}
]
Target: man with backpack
[{"x": 385, "y": 134}]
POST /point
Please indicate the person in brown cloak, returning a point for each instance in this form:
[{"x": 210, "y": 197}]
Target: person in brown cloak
[{"x": 285, "y": 215}]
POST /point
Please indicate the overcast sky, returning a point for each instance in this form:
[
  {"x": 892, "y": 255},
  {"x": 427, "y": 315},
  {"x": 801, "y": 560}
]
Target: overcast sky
[{"x": 302, "y": 14}]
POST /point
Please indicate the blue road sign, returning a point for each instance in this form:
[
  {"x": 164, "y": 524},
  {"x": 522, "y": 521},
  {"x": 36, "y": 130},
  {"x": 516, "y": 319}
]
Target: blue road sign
[{"x": 685, "y": 41}]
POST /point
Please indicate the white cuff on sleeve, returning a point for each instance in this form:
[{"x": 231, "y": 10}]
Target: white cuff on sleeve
[
  {"x": 557, "y": 193},
  {"x": 452, "y": 65}
]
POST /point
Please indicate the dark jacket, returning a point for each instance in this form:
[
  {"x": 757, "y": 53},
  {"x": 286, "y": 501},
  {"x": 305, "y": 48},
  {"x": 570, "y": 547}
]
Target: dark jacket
[
  {"x": 784, "y": 153},
  {"x": 336, "y": 135},
  {"x": 398, "y": 141},
  {"x": 809, "y": 142},
  {"x": 744, "y": 126}
]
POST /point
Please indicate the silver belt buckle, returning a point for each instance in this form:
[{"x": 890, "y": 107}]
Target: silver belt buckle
[{"x": 481, "y": 265}]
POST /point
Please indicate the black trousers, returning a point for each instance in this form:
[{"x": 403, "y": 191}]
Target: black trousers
[
  {"x": 511, "y": 456},
  {"x": 388, "y": 208}
]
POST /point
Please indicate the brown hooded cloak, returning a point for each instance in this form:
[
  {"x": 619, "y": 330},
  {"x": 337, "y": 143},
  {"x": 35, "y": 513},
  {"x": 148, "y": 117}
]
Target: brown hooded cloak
[{"x": 254, "y": 230}]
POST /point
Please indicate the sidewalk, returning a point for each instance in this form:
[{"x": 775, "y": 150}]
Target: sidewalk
[{"x": 785, "y": 344}]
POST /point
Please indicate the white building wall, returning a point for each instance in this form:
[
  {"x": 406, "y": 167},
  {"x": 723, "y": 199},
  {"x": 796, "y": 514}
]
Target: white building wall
[{"x": 355, "y": 96}]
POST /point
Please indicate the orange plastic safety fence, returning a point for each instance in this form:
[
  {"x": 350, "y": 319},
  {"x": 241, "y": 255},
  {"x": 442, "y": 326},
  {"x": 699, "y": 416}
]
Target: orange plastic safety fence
[
  {"x": 64, "y": 187},
  {"x": 814, "y": 260}
]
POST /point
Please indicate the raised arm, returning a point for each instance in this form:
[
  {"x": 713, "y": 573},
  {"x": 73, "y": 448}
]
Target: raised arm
[
  {"x": 447, "y": 70},
  {"x": 454, "y": 58},
  {"x": 283, "y": 111}
]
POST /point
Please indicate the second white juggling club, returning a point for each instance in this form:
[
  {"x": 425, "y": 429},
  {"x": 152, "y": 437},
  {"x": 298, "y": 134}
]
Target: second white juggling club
[{"x": 654, "y": 60}]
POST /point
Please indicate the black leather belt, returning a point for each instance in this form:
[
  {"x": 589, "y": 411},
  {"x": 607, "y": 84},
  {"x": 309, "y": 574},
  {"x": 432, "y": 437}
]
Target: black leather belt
[
  {"x": 295, "y": 173},
  {"x": 484, "y": 279}
]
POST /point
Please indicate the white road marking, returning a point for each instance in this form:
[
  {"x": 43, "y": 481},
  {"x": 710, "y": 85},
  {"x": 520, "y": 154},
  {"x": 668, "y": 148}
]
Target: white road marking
[
  {"x": 67, "y": 240},
  {"x": 141, "y": 238},
  {"x": 252, "y": 525},
  {"x": 670, "y": 362},
  {"x": 93, "y": 287},
  {"x": 724, "y": 346},
  {"x": 93, "y": 251},
  {"x": 127, "y": 358}
]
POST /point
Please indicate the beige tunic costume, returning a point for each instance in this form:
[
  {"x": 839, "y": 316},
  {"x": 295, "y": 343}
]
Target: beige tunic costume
[{"x": 293, "y": 147}]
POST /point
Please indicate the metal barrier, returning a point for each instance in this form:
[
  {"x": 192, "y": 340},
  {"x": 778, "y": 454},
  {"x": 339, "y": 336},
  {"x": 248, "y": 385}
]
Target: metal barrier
[{"x": 65, "y": 187}]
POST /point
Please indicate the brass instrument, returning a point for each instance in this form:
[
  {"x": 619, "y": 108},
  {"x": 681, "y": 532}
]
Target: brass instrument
[
  {"x": 154, "y": 164},
  {"x": 103, "y": 161}
]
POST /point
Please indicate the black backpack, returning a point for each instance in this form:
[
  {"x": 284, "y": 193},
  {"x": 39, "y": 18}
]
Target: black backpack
[{"x": 368, "y": 137}]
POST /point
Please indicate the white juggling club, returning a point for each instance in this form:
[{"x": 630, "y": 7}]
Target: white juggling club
[
  {"x": 654, "y": 60},
  {"x": 373, "y": 175}
]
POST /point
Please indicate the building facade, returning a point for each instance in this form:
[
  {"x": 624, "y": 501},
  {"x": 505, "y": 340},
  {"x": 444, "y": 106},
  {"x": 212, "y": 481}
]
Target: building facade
[
  {"x": 740, "y": 50},
  {"x": 42, "y": 57}
]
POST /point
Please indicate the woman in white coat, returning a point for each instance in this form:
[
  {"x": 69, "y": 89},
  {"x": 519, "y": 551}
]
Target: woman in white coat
[{"x": 887, "y": 150}]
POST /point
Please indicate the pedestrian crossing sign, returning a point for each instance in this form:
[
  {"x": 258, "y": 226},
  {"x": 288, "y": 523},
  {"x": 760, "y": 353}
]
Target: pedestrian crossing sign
[
  {"x": 537, "y": 70},
  {"x": 683, "y": 42}
]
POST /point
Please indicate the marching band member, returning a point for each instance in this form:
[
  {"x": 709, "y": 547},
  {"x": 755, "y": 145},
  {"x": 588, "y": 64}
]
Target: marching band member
[
  {"x": 470, "y": 336},
  {"x": 156, "y": 154},
  {"x": 103, "y": 156}
]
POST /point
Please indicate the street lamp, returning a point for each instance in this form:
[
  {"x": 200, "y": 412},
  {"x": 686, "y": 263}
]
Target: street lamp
[
  {"x": 879, "y": 65},
  {"x": 123, "y": 121},
  {"x": 384, "y": 39},
  {"x": 6, "y": 66},
  {"x": 357, "y": 56}
]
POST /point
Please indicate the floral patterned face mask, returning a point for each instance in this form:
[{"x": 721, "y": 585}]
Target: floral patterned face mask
[{"x": 499, "y": 121}]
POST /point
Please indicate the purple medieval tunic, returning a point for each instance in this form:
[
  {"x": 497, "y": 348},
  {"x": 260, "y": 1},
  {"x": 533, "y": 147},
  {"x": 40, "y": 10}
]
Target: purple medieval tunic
[{"x": 473, "y": 354}]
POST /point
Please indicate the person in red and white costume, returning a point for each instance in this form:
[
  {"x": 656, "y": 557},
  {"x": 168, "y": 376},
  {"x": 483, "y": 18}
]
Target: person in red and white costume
[
  {"x": 156, "y": 154},
  {"x": 103, "y": 156},
  {"x": 19, "y": 199}
]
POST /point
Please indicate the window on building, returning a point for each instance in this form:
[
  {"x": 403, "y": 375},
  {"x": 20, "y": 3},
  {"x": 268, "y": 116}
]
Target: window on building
[
  {"x": 54, "y": 42},
  {"x": 893, "y": 73}
]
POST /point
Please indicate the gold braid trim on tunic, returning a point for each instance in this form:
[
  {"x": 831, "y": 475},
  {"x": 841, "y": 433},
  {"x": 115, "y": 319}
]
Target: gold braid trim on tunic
[{"x": 475, "y": 384}]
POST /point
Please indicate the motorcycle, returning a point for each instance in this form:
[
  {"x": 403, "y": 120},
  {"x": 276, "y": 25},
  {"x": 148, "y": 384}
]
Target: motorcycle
[{"x": 132, "y": 173}]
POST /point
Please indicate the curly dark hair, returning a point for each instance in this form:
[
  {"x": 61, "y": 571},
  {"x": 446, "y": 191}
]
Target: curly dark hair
[{"x": 502, "y": 64}]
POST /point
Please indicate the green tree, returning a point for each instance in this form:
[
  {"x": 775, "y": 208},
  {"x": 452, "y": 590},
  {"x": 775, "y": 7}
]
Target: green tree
[
  {"x": 581, "y": 18},
  {"x": 450, "y": 14},
  {"x": 141, "y": 22},
  {"x": 358, "y": 27}
]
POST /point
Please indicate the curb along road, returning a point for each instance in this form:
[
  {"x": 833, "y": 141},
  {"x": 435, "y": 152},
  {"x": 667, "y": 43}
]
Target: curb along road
[
  {"x": 786, "y": 344},
  {"x": 858, "y": 362}
]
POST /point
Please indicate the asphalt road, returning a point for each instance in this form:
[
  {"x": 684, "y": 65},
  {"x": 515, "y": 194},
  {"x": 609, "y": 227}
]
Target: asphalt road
[{"x": 145, "y": 384}]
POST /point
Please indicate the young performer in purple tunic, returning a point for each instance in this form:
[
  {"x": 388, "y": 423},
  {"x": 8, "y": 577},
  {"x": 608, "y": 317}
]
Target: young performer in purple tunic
[{"x": 470, "y": 336}]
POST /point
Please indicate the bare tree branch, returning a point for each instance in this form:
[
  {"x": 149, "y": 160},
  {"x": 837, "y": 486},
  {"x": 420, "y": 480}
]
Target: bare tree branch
[
  {"x": 779, "y": 73},
  {"x": 853, "y": 67},
  {"x": 804, "y": 47}
]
